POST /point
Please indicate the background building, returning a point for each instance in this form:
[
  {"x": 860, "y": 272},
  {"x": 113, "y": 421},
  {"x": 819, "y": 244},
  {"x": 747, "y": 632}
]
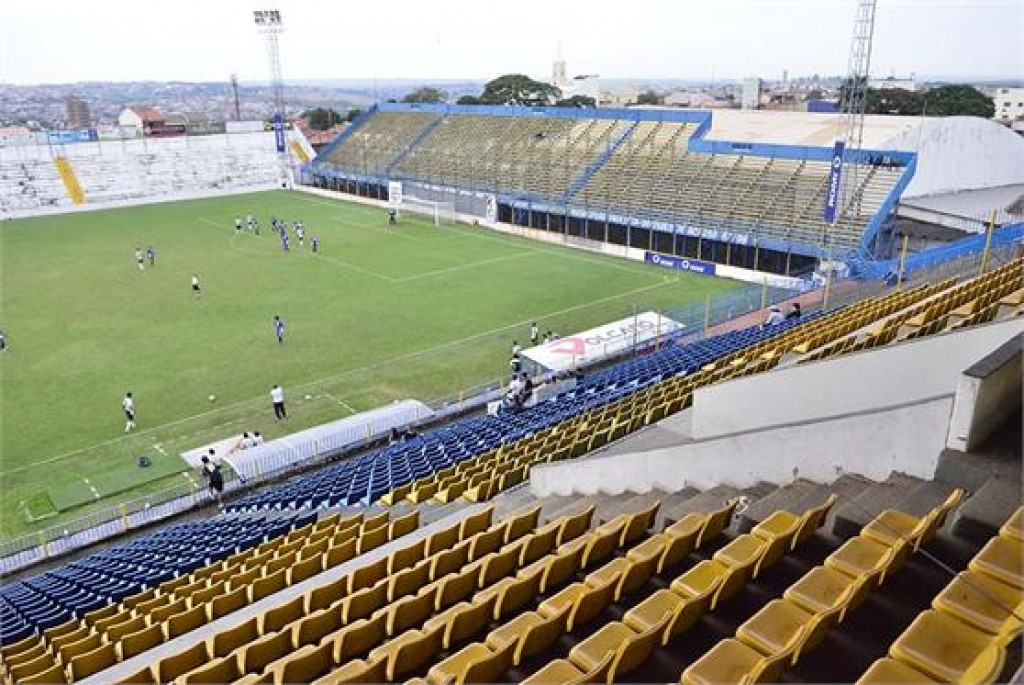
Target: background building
[
  {"x": 1009, "y": 103},
  {"x": 751, "y": 93},
  {"x": 78, "y": 113}
]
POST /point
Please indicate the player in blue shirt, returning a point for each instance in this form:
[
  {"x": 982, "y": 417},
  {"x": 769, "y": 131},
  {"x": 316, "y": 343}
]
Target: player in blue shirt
[
  {"x": 151, "y": 255},
  {"x": 285, "y": 242},
  {"x": 314, "y": 243},
  {"x": 279, "y": 329}
]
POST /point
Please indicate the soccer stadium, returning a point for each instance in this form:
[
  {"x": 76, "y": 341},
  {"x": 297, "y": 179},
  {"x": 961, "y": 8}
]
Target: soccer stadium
[{"x": 515, "y": 392}]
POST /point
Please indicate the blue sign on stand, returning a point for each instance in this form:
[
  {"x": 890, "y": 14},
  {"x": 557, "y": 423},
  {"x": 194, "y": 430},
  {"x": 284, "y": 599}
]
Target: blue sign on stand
[
  {"x": 834, "y": 176},
  {"x": 279, "y": 132},
  {"x": 680, "y": 263}
]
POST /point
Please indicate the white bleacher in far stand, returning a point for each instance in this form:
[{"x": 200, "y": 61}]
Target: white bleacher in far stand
[{"x": 138, "y": 170}]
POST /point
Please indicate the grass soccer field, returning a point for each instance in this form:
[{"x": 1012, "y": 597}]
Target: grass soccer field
[{"x": 381, "y": 314}]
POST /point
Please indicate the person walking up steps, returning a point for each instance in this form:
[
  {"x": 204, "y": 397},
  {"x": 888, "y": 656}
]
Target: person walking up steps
[
  {"x": 277, "y": 397},
  {"x": 128, "y": 404},
  {"x": 214, "y": 477}
]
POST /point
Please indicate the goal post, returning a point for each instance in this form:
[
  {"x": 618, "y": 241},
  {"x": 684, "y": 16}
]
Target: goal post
[{"x": 441, "y": 213}]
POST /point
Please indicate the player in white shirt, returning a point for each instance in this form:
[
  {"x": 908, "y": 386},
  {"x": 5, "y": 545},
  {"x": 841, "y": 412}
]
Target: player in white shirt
[
  {"x": 128, "y": 404},
  {"x": 195, "y": 285},
  {"x": 139, "y": 259},
  {"x": 277, "y": 398}
]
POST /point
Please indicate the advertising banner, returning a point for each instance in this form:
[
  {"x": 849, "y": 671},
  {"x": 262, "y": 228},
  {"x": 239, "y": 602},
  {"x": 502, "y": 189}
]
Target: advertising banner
[
  {"x": 395, "y": 194},
  {"x": 279, "y": 133},
  {"x": 601, "y": 342},
  {"x": 680, "y": 263},
  {"x": 834, "y": 177}
]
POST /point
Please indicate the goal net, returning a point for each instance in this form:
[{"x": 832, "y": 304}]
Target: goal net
[{"x": 442, "y": 213}]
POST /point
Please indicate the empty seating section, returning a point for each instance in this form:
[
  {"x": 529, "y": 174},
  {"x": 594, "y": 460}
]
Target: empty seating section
[
  {"x": 113, "y": 171},
  {"x": 626, "y": 167},
  {"x": 964, "y": 637},
  {"x": 370, "y": 149},
  {"x": 126, "y": 625},
  {"x": 997, "y": 293}
]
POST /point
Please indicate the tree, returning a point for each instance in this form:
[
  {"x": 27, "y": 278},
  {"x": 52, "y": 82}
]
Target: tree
[
  {"x": 518, "y": 89},
  {"x": 468, "y": 100},
  {"x": 321, "y": 119},
  {"x": 649, "y": 97},
  {"x": 896, "y": 101},
  {"x": 353, "y": 114},
  {"x": 426, "y": 94},
  {"x": 958, "y": 100},
  {"x": 577, "y": 101}
]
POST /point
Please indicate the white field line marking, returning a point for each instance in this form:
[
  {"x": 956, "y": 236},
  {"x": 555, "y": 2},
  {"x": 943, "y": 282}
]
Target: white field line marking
[
  {"x": 461, "y": 267},
  {"x": 351, "y": 372},
  {"x": 339, "y": 401},
  {"x": 382, "y": 231}
]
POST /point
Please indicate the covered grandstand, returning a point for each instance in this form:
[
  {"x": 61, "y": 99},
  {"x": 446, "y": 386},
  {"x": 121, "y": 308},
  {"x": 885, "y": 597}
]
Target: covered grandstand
[{"x": 745, "y": 189}]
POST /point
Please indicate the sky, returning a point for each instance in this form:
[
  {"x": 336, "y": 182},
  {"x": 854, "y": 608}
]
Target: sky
[{"x": 63, "y": 41}]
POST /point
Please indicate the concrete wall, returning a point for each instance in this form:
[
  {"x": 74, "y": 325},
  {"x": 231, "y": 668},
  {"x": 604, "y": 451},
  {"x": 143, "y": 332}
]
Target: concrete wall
[
  {"x": 866, "y": 381},
  {"x": 988, "y": 393},
  {"x": 906, "y": 439}
]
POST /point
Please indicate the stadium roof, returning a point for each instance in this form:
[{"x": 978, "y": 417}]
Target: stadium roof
[{"x": 954, "y": 153}]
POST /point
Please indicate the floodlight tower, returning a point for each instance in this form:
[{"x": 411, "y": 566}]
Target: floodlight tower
[
  {"x": 268, "y": 22},
  {"x": 857, "y": 94}
]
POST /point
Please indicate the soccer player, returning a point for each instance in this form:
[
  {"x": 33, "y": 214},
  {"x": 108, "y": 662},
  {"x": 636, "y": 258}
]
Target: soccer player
[
  {"x": 249, "y": 220},
  {"x": 195, "y": 285},
  {"x": 128, "y": 404},
  {"x": 314, "y": 243},
  {"x": 534, "y": 333},
  {"x": 138, "y": 259},
  {"x": 300, "y": 233},
  {"x": 238, "y": 224},
  {"x": 277, "y": 398},
  {"x": 516, "y": 348},
  {"x": 285, "y": 242},
  {"x": 392, "y": 216},
  {"x": 3, "y": 341},
  {"x": 151, "y": 255},
  {"x": 279, "y": 329}
]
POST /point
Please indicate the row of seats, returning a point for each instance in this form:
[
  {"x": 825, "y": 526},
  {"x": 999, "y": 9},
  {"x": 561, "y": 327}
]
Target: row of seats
[
  {"x": 624, "y": 167},
  {"x": 785, "y": 629},
  {"x": 964, "y": 636},
  {"x": 119, "y": 631},
  {"x": 380, "y": 609}
]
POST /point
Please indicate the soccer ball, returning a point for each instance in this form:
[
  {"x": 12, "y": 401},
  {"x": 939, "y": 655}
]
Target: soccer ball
[{"x": 212, "y": 398}]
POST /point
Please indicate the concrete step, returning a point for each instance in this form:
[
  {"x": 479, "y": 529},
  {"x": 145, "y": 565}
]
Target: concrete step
[
  {"x": 924, "y": 498},
  {"x": 575, "y": 504},
  {"x": 513, "y": 501},
  {"x": 788, "y": 498},
  {"x": 853, "y": 515},
  {"x": 627, "y": 503},
  {"x": 981, "y": 516},
  {"x": 671, "y": 500},
  {"x": 709, "y": 500}
]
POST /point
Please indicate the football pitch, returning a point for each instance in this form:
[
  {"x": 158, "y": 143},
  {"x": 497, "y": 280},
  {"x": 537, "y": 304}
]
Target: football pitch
[{"x": 381, "y": 314}]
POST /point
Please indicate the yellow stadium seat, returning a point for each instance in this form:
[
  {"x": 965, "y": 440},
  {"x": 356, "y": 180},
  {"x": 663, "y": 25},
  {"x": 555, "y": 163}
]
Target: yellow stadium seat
[
  {"x": 732, "y": 661},
  {"x": 797, "y": 528},
  {"x": 530, "y": 633},
  {"x": 218, "y": 670},
  {"x": 84, "y": 665},
  {"x": 141, "y": 640},
  {"x": 475, "y": 663},
  {"x": 409, "y": 611},
  {"x": 1002, "y": 558},
  {"x": 628, "y": 648},
  {"x": 408, "y": 581},
  {"x": 455, "y": 587},
  {"x": 560, "y": 568},
  {"x": 475, "y": 523},
  {"x": 372, "y": 539},
  {"x": 404, "y": 524},
  {"x": 575, "y": 525},
  {"x": 823, "y": 589},
  {"x": 363, "y": 603},
  {"x": 450, "y": 561},
  {"x": 565, "y": 672},
  {"x": 143, "y": 676},
  {"x": 227, "y": 641},
  {"x": 254, "y": 656},
  {"x": 536, "y": 545},
  {"x": 712, "y": 579},
  {"x": 782, "y": 627},
  {"x": 586, "y": 602},
  {"x": 356, "y": 671},
  {"x": 983, "y": 602},
  {"x": 945, "y": 648},
  {"x": 406, "y": 557},
  {"x": 512, "y": 593},
  {"x": 301, "y": 666},
  {"x": 860, "y": 556},
  {"x": 442, "y": 540},
  {"x": 408, "y": 652},
  {"x": 268, "y": 585},
  {"x": 368, "y": 575},
  {"x": 357, "y": 638},
  {"x": 326, "y": 595},
  {"x": 169, "y": 668},
  {"x": 633, "y": 525},
  {"x": 892, "y": 524},
  {"x": 486, "y": 542},
  {"x": 519, "y": 524},
  {"x": 888, "y": 671},
  {"x": 278, "y": 617},
  {"x": 1014, "y": 526},
  {"x": 70, "y": 650},
  {"x": 183, "y": 622},
  {"x": 53, "y": 674}
]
